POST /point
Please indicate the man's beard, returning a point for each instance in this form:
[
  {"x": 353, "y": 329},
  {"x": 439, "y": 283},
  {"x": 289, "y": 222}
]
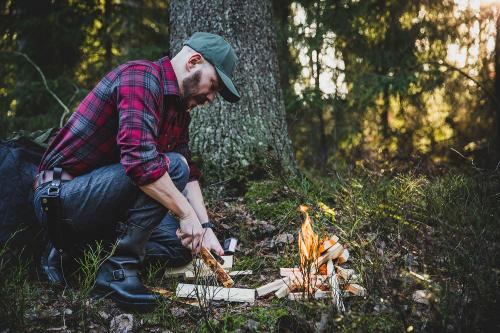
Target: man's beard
[{"x": 190, "y": 89}]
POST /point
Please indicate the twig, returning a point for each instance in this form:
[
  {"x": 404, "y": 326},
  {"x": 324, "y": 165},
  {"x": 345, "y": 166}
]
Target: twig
[
  {"x": 43, "y": 79},
  {"x": 53, "y": 94},
  {"x": 67, "y": 112},
  {"x": 465, "y": 158}
]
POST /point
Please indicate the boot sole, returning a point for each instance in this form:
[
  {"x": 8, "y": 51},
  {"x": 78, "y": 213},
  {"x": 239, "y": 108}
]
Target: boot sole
[{"x": 129, "y": 306}]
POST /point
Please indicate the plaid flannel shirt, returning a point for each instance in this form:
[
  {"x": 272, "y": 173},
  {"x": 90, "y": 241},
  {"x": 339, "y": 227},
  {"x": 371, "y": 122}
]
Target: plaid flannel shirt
[{"x": 132, "y": 116}]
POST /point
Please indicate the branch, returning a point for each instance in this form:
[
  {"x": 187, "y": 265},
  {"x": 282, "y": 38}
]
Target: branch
[
  {"x": 478, "y": 83},
  {"x": 65, "y": 108}
]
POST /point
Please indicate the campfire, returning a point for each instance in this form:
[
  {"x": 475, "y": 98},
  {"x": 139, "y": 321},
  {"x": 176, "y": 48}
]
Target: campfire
[{"x": 322, "y": 273}]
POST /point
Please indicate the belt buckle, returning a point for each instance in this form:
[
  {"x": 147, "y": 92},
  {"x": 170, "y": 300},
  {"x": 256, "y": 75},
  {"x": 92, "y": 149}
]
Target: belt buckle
[
  {"x": 118, "y": 274},
  {"x": 53, "y": 191}
]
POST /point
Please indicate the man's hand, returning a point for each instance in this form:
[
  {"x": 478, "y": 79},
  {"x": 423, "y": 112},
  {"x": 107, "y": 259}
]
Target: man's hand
[
  {"x": 211, "y": 242},
  {"x": 190, "y": 232},
  {"x": 195, "y": 198},
  {"x": 193, "y": 236}
]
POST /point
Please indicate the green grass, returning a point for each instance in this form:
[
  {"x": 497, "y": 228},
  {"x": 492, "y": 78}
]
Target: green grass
[{"x": 445, "y": 228}]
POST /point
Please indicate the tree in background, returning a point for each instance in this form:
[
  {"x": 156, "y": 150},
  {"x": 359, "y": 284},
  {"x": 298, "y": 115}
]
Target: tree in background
[
  {"x": 74, "y": 43},
  {"x": 360, "y": 80},
  {"x": 51, "y": 33},
  {"x": 380, "y": 80},
  {"x": 244, "y": 136}
]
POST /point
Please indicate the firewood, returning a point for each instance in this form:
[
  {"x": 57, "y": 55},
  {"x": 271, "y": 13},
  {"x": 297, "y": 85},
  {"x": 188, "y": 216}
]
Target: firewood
[
  {"x": 328, "y": 244},
  {"x": 239, "y": 273},
  {"x": 331, "y": 253},
  {"x": 344, "y": 256},
  {"x": 217, "y": 268},
  {"x": 298, "y": 282},
  {"x": 355, "y": 289},
  {"x": 347, "y": 274},
  {"x": 215, "y": 293},
  {"x": 190, "y": 275},
  {"x": 273, "y": 286},
  {"x": 318, "y": 294},
  {"x": 161, "y": 291},
  {"x": 290, "y": 271},
  {"x": 323, "y": 270},
  {"x": 286, "y": 289}
]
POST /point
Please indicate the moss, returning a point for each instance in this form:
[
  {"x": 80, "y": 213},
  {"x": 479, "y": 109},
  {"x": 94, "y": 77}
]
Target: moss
[{"x": 266, "y": 202}]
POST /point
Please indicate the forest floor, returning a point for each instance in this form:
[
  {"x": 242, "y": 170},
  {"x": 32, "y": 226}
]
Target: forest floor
[{"x": 445, "y": 227}]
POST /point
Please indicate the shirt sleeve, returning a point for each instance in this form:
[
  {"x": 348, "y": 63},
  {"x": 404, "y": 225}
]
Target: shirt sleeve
[
  {"x": 138, "y": 99},
  {"x": 183, "y": 149}
]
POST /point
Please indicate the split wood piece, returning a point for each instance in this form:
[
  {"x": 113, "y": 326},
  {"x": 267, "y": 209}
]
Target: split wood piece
[
  {"x": 178, "y": 271},
  {"x": 334, "y": 287},
  {"x": 240, "y": 295},
  {"x": 273, "y": 286},
  {"x": 290, "y": 271},
  {"x": 285, "y": 272},
  {"x": 285, "y": 290},
  {"x": 331, "y": 253},
  {"x": 355, "y": 289},
  {"x": 189, "y": 275},
  {"x": 296, "y": 283},
  {"x": 318, "y": 294},
  {"x": 344, "y": 256},
  {"x": 161, "y": 291},
  {"x": 347, "y": 274},
  {"x": 328, "y": 244},
  {"x": 217, "y": 268}
]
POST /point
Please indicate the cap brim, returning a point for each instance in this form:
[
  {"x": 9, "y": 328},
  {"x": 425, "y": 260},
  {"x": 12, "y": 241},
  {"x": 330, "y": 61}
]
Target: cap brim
[{"x": 228, "y": 91}]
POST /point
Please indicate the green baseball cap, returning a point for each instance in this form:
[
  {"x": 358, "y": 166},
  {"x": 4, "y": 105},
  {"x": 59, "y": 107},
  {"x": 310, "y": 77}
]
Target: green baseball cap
[{"x": 221, "y": 55}]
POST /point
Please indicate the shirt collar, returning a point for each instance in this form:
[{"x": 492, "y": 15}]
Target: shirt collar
[{"x": 170, "y": 85}]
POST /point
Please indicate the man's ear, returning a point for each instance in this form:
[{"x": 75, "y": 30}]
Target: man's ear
[{"x": 193, "y": 60}]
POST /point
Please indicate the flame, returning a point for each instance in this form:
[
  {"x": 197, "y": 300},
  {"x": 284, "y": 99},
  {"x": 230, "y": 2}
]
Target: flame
[{"x": 308, "y": 241}]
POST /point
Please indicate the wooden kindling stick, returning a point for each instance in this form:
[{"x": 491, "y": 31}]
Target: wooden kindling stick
[{"x": 222, "y": 276}]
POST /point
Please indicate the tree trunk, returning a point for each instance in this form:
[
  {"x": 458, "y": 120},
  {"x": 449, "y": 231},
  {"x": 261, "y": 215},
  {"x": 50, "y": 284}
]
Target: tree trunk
[
  {"x": 106, "y": 28},
  {"x": 245, "y": 135},
  {"x": 497, "y": 86},
  {"x": 385, "y": 114},
  {"x": 323, "y": 147}
]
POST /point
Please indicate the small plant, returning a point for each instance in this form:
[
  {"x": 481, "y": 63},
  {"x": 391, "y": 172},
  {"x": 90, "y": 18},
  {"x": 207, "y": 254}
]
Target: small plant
[
  {"x": 93, "y": 258},
  {"x": 16, "y": 292}
]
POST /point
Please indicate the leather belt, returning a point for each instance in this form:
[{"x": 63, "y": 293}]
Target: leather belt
[{"x": 47, "y": 176}]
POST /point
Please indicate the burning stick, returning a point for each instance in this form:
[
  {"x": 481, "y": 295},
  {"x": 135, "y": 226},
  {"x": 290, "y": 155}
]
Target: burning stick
[{"x": 214, "y": 265}]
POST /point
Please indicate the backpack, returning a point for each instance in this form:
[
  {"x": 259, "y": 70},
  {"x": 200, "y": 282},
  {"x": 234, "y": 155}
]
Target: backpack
[{"x": 20, "y": 156}]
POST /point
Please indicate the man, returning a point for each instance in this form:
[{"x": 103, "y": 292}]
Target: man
[{"x": 122, "y": 163}]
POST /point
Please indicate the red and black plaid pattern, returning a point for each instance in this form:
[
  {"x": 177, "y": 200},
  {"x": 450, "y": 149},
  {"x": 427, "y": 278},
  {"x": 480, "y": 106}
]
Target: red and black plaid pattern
[{"x": 131, "y": 116}]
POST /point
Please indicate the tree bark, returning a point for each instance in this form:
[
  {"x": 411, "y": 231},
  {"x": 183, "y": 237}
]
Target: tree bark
[
  {"x": 240, "y": 136},
  {"x": 106, "y": 28},
  {"x": 497, "y": 85}
]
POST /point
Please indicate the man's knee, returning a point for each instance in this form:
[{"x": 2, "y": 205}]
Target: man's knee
[{"x": 178, "y": 170}]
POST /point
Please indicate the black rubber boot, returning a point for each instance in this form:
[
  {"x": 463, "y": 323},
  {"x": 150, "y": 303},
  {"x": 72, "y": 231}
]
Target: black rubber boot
[
  {"x": 52, "y": 265},
  {"x": 117, "y": 277}
]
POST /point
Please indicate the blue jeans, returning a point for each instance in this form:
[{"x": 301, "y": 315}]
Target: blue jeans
[{"x": 96, "y": 203}]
